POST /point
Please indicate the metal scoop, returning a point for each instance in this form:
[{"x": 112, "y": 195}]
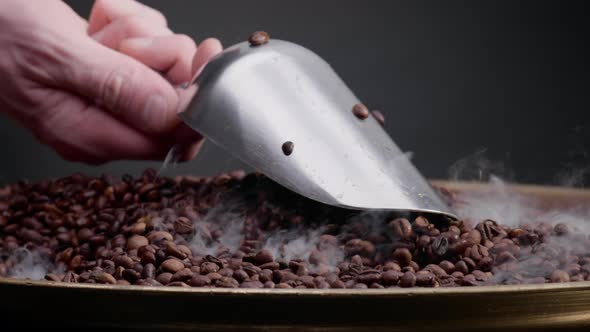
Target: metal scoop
[{"x": 252, "y": 99}]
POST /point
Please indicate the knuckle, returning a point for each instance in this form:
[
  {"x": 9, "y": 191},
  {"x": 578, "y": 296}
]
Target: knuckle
[
  {"x": 113, "y": 84},
  {"x": 158, "y": 17},
  {"x": 186, "y": 41}
]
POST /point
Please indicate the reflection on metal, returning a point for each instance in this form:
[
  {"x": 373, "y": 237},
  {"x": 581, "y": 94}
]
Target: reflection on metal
[{"x": 251, "y": 100}]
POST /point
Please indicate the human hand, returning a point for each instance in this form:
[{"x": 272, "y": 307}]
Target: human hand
[{"x": 96, "y": 90}]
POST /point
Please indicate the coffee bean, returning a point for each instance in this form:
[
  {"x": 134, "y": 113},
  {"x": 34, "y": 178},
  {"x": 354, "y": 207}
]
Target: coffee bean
[
  {"x": 105, "y": 278},
  {"x": 164, "y": 278},
  {"x": 360, "y": 111},
  {"x": 252, "y": 284},
  {"x": 425, "y": 279},
  {"x": 258, "y": 38},
  {"x": 379, "y": 117},
  {"x": 263, "y": 257},
  {"x": 402, "y": 256},
  {"x": 183, "y": 225},
  {"x": 560, "y": 276},
  {"x": 401, "y": 228},
  {"x": 52, "y": 277},
  {"x": 182, "y": 275},
  {"x": 149, "y": 271},
  {"x": 227, "y": 282},
  {"x": 288, "y": 148},
  {"x": 136, "y": 241},
  {"x": 172, "y": 265},
  {"x": 408, "y": 280}
]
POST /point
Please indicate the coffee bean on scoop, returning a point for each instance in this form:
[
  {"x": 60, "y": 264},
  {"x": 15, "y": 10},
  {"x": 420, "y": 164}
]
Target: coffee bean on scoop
[
  {"x": 360, "y": 111},
  {"x": 288, "y": 148},
  {"x": 258, "y": 38}
]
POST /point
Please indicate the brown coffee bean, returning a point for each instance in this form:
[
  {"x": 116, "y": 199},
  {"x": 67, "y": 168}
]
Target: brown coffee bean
[
  {"x": 240, "y": 275},
  {"x": 52, "y": 277},
  {"x": 164, "y": 278},
  {"x": 447, "y": 266},
  {"x": 182, "y": 275},
  {"x": 461, "y": 266},
  {"x": 560, "y": 276},
  {"x": 157, "y": 236},
  {"x": 172, "y": 265},
  {"x": 149, "y": 271},
  {"x": 258, "y": 38},
  {"x": 359, "y": 247},
  {"x": 263, "y": 257},
  {"x": 391, "y": 277},
  {"x": 183, "y": 225},
  {"x": 401, "y": 228},
  {"x": 561, "y": 229},
  {"x": 136, "y": 241},
  {"x": 124, "y": 261},
  {"x": 209, "y": 267},
  {"x": 70, "y": 277},
  {"x": 360, "y": 111},
  {"x": 379, "y": 117},
  {"x": 173, "y": 250},
  {"x": 425, "y": 279},
  {"x": 105, "y": 278},
  {"x": 402, "y": 256},
  {"x": 227, "y": 282},
  {"x": 469, "y": 280},
  {"x": 288, "y": 148},
  {"x": 408, "y": 280},
  {"x": 391, "y": 266},
  {"x": 283, "y": 285},
  {"x": 252, "y": 284}
]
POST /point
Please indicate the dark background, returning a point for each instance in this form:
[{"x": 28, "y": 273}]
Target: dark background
[{"x": 469, "y": 87}]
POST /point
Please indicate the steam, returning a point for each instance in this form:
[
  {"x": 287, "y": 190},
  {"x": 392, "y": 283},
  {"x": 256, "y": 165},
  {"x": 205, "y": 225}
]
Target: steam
[
  {"x": 504, "y": 205},
  {"x": 29, "y": 264}
]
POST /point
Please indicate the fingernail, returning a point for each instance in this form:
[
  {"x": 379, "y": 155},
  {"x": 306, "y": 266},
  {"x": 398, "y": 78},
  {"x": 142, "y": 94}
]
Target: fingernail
[
  {"x": 154, "y": 111},
  {"x": 138, "y": 42}
]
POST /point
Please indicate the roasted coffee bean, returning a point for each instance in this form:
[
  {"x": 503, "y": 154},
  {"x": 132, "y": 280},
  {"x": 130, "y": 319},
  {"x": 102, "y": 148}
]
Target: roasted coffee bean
[
  {"x": 182, "y": 275},
  {"x": 425, "y": 279},
  {"x": 359, "y": 247},
  {"x": 52, "y": 277},
  {"x": 124, "y": 261},
  {"x": 402, "y": 256},
  {"x": 408, "y": 280},
  {"x": 172, "y": 265},
  {"x": 360, "y": 111},
  {"x": 401, "y": 228},
  {"x": 263, "y": 257},
  {"x": 391, "y": 277},
  {"x": 136, "y": 241},
  {"x": 440, "y": 245},
  {"x": 209, "y": 267},
  {"x": 379, "y": 117},
  {"x": 149, "y": 271},
  {"x": 288, "y": 148},
  {"x": 166, "y": 277},
  {"x": 560, "y": 276},
  {"x": 252, "y": 284},
  {"x": 227, "y": 282},
  {"x": 258, "y": 38},
  {"x": 183, "y": 225}
]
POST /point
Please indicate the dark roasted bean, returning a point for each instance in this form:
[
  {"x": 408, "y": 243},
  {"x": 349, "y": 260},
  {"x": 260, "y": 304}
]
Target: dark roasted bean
[
  {"x": 360, "y": 111},
  {"x": 258, "y": 38},
  {"x": 288, "y": 148}
]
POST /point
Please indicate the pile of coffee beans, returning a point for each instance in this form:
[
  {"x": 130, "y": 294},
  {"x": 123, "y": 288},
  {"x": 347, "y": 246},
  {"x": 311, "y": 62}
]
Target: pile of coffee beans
[{"x": 160, "y": 231}]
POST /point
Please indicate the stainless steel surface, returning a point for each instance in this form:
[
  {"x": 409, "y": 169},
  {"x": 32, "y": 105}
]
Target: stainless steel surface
[{"x": 250, "y": 100}]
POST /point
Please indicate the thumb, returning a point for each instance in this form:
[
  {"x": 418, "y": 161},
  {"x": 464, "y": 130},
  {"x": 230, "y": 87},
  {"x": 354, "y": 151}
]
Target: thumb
[{"x": 128, "y": 89}]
